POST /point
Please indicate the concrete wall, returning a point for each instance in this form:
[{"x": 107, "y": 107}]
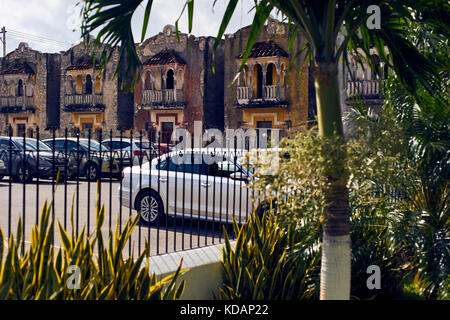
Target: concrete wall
[{"x": 205, "y": 275}]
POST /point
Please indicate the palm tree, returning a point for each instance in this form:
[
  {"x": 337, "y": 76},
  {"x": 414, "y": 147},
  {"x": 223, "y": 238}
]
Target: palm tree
[{"x": 333, "y": 29}]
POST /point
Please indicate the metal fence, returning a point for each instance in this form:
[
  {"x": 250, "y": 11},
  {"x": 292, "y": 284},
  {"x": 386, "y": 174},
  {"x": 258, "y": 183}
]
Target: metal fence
[{"x": 184, "y": 198}]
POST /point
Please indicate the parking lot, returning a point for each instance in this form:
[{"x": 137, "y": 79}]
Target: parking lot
[{"x": 25, "y": 200}]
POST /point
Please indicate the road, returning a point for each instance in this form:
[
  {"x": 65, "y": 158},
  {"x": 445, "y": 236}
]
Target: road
[{"x": 26, "y": 201}]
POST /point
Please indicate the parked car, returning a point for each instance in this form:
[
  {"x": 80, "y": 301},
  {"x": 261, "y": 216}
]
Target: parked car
[
  {"x": 214, "y": 187},
  {"x": 3, "y": 170},
  {"x": 31, "y": 158},
  {"x": 94, "y": 159},
  {"x": 130, "y": 152}
]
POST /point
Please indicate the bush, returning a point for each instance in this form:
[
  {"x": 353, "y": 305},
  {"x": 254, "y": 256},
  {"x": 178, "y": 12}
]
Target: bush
[
  {"x": 270, "y": 262},
  {"x": 41, "y": 273}
]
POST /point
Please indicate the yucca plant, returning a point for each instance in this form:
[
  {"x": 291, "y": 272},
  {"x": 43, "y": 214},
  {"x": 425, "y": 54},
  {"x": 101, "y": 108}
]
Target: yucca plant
[
  {"x": 43, "y": 273},
  {"x": 270, "y": 262}
]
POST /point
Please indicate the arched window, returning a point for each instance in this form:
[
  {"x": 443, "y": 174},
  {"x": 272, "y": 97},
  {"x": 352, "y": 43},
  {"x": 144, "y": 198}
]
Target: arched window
[
  {"x": 79, "y": 85},
  {"x": 282, "y": 74},
  {"x": 271, "y": 75},
  {"x": 88, "y": 85},
  {"x": 148, "y": 81},
  {"x": 170, "y": 80},
  {"x": 157, "y": 80},
  {"x": 12, "y": 88},
  {"x": 244, "y": 77},
  {"x": 180, "y": 79},
  {"x": 69, "y": 85},
  {"x": 4, "y": 89},
  {"x": 20, "y": 88},
  {"x": 98, "y": 85},
  {"x": 257, "y": 85},
  {"x": 374, "y": 73}
]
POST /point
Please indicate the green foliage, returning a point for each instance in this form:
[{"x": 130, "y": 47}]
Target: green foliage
[
  {"x": 372, "y": 245},
  {"x": 270, "y": 262},
  {"x": 43, "y": 272},
  {"x": 422, "y": 224}
]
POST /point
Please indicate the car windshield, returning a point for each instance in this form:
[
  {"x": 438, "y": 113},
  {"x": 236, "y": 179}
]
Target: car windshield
[
  {"x": 143, "y": 145},
  {"x": 93, "y": 145},
  {"x": 32, "y": 144}
]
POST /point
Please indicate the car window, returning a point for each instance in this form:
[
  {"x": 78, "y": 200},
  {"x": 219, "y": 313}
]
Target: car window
[
  {"x": 124, "y": 144},
  {"x": 112, "y": 144},
  {"x": 181, "y": 163},
  {"x": 32, "y": 144},
  {"x": 59, "y": 145},
  {"x": 4, "y": 144},
  {"x": 93, "y": 145},
  {"x": 143, "y": 145}
]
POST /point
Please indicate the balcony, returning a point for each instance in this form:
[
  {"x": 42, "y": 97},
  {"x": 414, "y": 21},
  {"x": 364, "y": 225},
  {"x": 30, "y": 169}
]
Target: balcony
[
  {"x": 84, "y": 102},
  {"x": 365, "y": 89},
  {"x": 17, "y": 105},
  {"x": 163, "y": 99},
  {"x": 272, "y": 96}
]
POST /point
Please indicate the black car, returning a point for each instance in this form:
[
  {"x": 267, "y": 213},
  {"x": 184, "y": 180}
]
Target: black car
[
  {"x": 29, "y": 158},
  {"x": 94, "y": 160}
]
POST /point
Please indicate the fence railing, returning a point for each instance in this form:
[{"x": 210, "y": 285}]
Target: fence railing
[
  {"x": 270, "y": 93},
  {"x": 22, "y": 101},
  {"x": 152, "y": 97},
  {"x": 83, "y": 99},
  {"x": 365, "y": 88},
  {"x": 183, "y": 198}
]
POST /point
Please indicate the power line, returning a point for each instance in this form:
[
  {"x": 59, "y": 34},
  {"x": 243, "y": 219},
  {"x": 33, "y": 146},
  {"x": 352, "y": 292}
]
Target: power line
[
  {"x": 41, "y": 42},
  {"x": 36, "y": 37}
]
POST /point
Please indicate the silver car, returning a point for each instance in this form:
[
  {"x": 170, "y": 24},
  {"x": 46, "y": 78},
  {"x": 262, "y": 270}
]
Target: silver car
[{"x": 209, "y": 185}]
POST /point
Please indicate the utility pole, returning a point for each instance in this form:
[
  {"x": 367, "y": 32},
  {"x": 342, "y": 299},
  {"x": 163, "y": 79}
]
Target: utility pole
[{"x": 4, "y": 40}]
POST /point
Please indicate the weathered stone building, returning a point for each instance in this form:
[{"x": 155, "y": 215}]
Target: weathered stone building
[
  {"x": 177, "y": 84},
  {"x": 91, "y": 98},
  {"x": 268, "y": 92},
  {"x": 29, "y": 91}
]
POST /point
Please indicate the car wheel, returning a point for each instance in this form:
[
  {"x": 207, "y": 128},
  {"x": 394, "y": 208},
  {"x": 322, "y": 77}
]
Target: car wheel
[
  {"x": 92, "y": 172},
  {"x": 150, "y": 208},
  {"x": 24, "y": 175}
]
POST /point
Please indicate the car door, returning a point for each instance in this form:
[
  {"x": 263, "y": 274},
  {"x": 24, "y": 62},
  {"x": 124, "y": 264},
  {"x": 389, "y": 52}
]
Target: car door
[
  {"x": 234, "y": 198},
  {"x": 178, "y": 184}
]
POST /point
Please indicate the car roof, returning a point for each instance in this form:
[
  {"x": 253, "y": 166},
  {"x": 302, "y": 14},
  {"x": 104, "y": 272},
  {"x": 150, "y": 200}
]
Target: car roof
[
  {"x": 15, "y": 137},
  {"x": 125, "y": 139},
  {"x": 70, "y": 138}
]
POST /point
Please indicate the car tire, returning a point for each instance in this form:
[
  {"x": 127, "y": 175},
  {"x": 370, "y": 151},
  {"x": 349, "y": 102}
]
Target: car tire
[
  {"x": 150, "y": 208},
  {"x": 24, "y": 177},
  {"x": 92, "y": 172}
]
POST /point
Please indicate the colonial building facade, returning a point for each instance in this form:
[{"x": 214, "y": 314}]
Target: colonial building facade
[
  {"x": 268, "y": 93},
  {"x": 29, "y": 89},
  {"x": 182, "y": 80},
  {"x": 177, "y": 85},
  {"x": 92, "y": 99}
]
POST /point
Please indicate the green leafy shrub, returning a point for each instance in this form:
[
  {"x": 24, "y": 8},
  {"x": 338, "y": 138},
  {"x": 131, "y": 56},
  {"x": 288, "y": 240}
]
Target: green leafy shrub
[
  {"x": 270, "y": 262},
  {"x": 42, "y": 273}
]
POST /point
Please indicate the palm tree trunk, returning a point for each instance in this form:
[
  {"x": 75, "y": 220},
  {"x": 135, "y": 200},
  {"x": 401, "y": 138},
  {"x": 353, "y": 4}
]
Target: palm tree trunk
[{"x": 336, "y": 249}]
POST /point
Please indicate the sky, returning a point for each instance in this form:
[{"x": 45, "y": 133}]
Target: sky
[{"x": 48, "y": 25}]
